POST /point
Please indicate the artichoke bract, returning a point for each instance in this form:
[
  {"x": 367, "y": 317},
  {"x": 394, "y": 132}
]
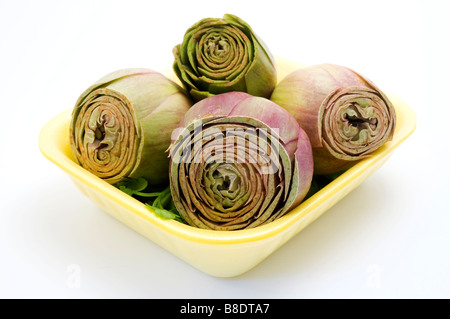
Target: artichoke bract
[
  {"x": 344, "y": 114},
  {"x": 224, "y": 55},
  {"x": 238, "y": 161},
  {"x": 121, "y": 125}
]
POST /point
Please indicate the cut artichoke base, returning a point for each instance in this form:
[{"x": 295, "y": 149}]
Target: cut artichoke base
[{"x": 190, "y": 199}]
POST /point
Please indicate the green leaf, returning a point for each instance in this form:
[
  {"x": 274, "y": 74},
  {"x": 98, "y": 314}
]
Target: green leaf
[
  {"x": 137, "y": 185},
  {"x": 164, "y": 214},
  {"x": 320, "y": 181},
  {"x": 147, "y": 194},
  {"x": 126, "y": 190},
  {"x": 165, "y": 198},
  {"x": 163, "y": 205}
]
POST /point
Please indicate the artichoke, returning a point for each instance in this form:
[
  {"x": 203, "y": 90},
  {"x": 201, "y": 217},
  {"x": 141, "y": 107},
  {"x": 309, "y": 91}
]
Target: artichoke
[
  {"x": 224, "y": 55},
  {"x": 121, "y": 125},
  {"x": 238, "y": 161},
  {"x": 344, "y": 114}
]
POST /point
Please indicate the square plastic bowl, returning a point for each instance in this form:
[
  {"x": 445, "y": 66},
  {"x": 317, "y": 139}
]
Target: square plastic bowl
[{"x": 217, "y": 253}]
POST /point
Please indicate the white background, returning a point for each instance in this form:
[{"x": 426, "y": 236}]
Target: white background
[{"x": 390, "y": 238}]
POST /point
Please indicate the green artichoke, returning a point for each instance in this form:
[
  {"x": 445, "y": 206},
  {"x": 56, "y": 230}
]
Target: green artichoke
[
  {"x": 224, "y": 55},
  {"x": 121, "y": 125},
  {"x": 238, "y": 161},
  {"x": 344, "y": 114}
]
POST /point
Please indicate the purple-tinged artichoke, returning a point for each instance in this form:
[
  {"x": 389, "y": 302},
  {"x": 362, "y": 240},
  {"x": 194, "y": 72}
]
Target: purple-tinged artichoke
[
  {"x": 344, "y": 114},
  {"x": 238, "y": 161},
  {"x": 121, "y": 125},
  {"x": 224, "y": 55}
]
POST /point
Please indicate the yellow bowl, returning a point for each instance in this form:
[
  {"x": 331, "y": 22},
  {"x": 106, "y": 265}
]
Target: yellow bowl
[{"x": 218, "y": 253}]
